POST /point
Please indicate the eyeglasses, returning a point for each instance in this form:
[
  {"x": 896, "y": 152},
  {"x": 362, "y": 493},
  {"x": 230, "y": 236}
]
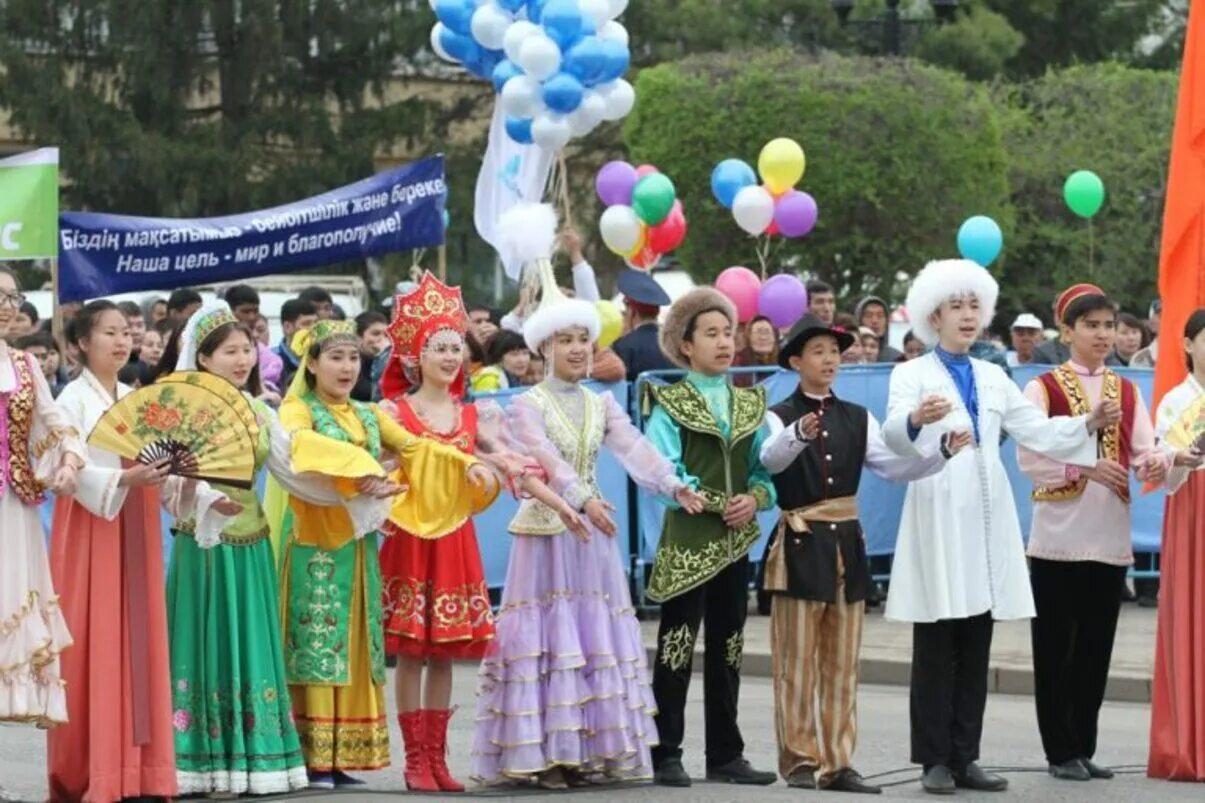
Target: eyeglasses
[{"x": 15, "y": 299}]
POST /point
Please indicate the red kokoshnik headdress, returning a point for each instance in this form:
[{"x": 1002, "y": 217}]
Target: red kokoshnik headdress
[{"x": 429, "y": 308}]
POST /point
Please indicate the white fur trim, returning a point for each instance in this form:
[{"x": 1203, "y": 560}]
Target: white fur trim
[
  {"x": 548, "y": 320},
  {"x": 943, "y": 280},
  {"x": 526, "y": 234}
]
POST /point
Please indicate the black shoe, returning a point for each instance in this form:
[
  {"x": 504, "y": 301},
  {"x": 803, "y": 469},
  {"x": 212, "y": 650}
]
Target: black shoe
[
  {"x": 803, "y": 778},
  {"x": 740, "y": 771},
  {"x": 938, "y": 780},
  {"x": 671, "y": 773},
  {"x": 848, "y": 780},
  {"x": 1071, "y": 770},
  {"x": 1096, "y": 771},
  {"x": 1148, "y": 602},
  {"x": 973, "y": 777}
]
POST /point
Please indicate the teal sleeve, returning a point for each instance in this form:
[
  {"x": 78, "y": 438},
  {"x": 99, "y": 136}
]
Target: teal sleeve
[
  {"x": 761, "y": 486},
  {"x": 663, "y": 431}
]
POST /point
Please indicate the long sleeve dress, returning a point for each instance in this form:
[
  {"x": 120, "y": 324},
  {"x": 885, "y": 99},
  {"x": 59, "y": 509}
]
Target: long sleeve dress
[
  {"x": 107, "y": 562},
  {"x": 232, "y": 715},
  {"x": 1178, "y": 692},
  {"x": 331, "y": 579},
  {"x": 35, "y": 435},
  {"x": 565, "y": 682}
]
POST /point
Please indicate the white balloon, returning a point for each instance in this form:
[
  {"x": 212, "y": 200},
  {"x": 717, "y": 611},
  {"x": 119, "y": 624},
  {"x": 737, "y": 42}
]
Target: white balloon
[
  {"x": 620, "y": 229},
  {"x": 516, "y": 35},
  {"x": 618, "y": 7},
  {"x": 619, "y": 97},
  {"x": 550, "y": 131},
  {"x": 597, "y": 10},
  {"x": 586, "y": 117},
  {"x": 436, "y": 30},
  {"x": 539, "y": 56},
  {"x": 753, "y": 209},
  {"x": 489, "y": 26},
  {"x": 614, "y": 30},
  {"x": 522, "y": 96}
]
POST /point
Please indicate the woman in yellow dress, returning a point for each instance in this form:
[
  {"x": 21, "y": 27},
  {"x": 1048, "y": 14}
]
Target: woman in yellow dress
[{"x": 331, "y": 581}]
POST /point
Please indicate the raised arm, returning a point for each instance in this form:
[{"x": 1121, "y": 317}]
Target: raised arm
[
  {"x": 638, "y": 456},
  {"x": 1045, "y": 472},
  {"x": 887, "y": 465},
  {"x": 1059, "y": 437},
  {"x": 529, "y": 431},
  {"x": 903, "y": 395}
]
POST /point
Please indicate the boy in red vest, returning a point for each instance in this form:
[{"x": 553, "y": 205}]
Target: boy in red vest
[{"x": 1079, "y": 543}]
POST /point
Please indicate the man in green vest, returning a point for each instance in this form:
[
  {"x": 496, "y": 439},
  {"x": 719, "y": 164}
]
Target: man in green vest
[{"x": 713, "y": 433}]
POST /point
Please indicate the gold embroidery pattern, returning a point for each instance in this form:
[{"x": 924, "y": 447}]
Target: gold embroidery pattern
[
  {"x": 359, "y": 746},
  {"x": 676, "y": 570},
  {"x": 734, "y": 650},
  {"x": 406, "y": 608},
  {"x": 319, "y": 624},
  {"x": 1078, "y": 404},
  {"x": 21, "y": 403},
  {"x": 677, "y": 647},
  {"x": 687, "y": 406}
]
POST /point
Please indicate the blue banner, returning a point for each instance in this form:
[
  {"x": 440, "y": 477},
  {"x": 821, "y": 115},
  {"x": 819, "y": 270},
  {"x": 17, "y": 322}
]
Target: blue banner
[{"x": 400, "y": 210}]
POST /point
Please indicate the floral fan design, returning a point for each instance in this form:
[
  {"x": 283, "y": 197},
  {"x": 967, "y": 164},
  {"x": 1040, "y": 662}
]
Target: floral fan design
[
  {"x": 1190, "y": 428},
  {"x": 203, "y": 432},
  {"x": 222, "y": 388}
]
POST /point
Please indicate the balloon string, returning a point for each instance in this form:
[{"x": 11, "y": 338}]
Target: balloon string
[
  {"x": 1091, "y": 250},
  {"x": 563, "y": 188}
]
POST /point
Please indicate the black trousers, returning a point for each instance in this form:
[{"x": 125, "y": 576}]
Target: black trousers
[
  {"x": 949, "y": 689},
  {"x": 722, "y": 603},
  {"x": 1078, "y": 603}
]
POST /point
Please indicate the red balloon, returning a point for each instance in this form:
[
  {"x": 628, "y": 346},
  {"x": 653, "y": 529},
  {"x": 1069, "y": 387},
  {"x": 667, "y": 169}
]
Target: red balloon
[
  {"x": 645, "y": 170},
  {"x": 669, "y": 233},
  {"x": 772, "y": 229},
  {"x": 645, "y": 259}
]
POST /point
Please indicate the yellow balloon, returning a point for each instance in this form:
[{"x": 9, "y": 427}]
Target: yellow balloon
[
  {"x": 640, "y": 242},
  {"x": 781, "y": 164},
  {"x": 612, "y": 323}
]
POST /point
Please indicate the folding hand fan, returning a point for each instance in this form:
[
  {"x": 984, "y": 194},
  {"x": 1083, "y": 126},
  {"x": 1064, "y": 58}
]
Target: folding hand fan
[
  {"x": 202, "y": 432},
  {"x": 227, "y": 391},
  {"x": 1189, "y": 428}
]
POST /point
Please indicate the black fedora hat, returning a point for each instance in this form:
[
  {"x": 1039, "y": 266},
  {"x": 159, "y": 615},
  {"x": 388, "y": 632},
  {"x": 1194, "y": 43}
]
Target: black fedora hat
[{"x": 805, "y": 329}]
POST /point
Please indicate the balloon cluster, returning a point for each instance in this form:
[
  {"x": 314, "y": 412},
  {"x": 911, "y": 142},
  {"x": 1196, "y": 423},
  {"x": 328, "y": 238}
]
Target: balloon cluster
[
  {"x": 774, "y": 206},
  {"x": 557, "y": 65},
  {"x": 782, "y": 298},
  {"x": 644, "y": 218}
]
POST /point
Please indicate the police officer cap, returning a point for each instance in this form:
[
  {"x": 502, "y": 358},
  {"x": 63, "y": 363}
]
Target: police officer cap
[{"x": 642, "y": 288}]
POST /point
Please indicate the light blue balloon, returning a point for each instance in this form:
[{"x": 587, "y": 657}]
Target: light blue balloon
[
  {"x": 512, "y": 6},
  {"x": 730, "y": 177},
  {"x": 616, "y": 59},
  {"x": 458, "y": 46},
  {"x": 980, "y": 240},
  {"x": 519, "y": 129},
  {"x": 535, "y": 9},
  {"x": 586, "y": 59},
  {"x": 503, "y": 72},
  {"x": 456, "y": 14},
  {"x": 447, "y": 220},
  {"x": 563, "y": 93},
  {"x": 562, "y": 21}
]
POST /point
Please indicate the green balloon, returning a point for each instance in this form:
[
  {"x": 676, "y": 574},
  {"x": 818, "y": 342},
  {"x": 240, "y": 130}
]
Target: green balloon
[
  {"x": 1084, "y": 193},
  {"x": 653, "y": 198}
]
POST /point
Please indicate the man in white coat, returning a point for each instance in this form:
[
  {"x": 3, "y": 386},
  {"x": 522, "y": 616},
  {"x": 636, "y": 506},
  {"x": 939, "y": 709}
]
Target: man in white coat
[{"x": 959, "y": 560}]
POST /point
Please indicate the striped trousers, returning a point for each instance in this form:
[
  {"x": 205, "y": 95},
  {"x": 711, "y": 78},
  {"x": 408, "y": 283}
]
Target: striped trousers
[{"x": 815, "y": 648}]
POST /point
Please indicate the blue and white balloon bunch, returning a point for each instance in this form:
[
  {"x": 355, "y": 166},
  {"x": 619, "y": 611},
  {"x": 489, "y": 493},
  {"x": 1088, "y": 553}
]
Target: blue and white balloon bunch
[{"x": 557, "y": 65}]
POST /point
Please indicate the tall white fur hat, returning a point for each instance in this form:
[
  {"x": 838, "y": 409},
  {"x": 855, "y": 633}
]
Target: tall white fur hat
[{"x": 943, "y": 280}]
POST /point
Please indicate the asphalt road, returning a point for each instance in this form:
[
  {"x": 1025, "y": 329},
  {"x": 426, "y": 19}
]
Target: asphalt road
[{"x": 1010, "y": 740}]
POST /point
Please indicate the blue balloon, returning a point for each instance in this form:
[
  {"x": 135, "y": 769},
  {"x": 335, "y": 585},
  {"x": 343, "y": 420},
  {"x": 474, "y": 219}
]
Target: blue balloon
[
  {"x": 519, "y": 129},
  {"x": 616, "y": 59},
  {"x": 980, "y": 240},
  {"x": 562, "y": 21},
  {"x": 586, "y": 59},
  {"x": 458, "y": 46},
  {"x": 535, "y": 9},
  {"x": 512, "y": 6},
  {"x": 503, "y": 72},
  {"x": 485, "y": 64},
  {"x": 456, "y": 14},
  {"x": 563, "y": 93},
  {"x": 730, "y": 177}
]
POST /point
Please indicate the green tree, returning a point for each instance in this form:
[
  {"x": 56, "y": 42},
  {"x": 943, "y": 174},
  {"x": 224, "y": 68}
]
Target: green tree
[
  {"x": 1115, "y": 121},
  {"x": 979, "y": 44},
  {"x": 899, "y": 154}
]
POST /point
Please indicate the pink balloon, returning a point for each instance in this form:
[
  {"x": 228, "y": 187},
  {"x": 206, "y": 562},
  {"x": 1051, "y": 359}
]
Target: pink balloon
[
  {"x": 646, "y": 170},
  {"x": 795, "y": 213},
  {"x": 742, "y": 286},
  {"x": 783, "y": 299}
]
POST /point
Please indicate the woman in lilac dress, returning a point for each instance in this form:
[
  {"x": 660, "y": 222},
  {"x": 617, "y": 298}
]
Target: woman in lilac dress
[{"x": 564, "y": 696}]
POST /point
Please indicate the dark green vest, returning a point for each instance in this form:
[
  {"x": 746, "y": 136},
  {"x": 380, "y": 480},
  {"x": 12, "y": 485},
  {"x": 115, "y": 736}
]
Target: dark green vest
[{"x": 693, "y": 549}]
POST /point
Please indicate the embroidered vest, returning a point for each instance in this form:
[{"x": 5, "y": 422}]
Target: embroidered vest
[
  {"x": 1065, "y": 395},
  {"x": 693, "y": 549},
  {"x": 16, "y": 421},
  {"x": 578, "y": 445}
]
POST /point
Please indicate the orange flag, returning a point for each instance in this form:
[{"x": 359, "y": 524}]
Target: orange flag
[{"x": 1182, "y": 252}]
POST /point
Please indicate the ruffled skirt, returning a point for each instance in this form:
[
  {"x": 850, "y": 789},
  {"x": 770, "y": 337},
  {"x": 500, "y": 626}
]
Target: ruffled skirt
[{"x": 565, "y": 683}]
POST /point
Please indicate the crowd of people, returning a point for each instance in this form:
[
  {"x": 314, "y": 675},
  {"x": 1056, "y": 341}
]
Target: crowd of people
[{"x": 259, "y": 666}]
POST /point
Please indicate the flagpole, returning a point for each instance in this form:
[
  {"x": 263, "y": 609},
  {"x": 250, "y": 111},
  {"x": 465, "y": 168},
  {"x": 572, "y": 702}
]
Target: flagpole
[
  {"x": 443, "y": 263},
  {"x": 56, "y": 315}
]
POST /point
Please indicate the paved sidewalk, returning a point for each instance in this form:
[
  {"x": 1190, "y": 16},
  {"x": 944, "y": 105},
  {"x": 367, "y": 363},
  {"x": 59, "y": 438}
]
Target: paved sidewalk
[{"x": 887, "y": 653}]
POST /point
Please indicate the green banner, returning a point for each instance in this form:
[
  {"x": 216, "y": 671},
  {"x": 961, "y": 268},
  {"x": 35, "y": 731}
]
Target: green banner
[{"x": 29, "y": 205}]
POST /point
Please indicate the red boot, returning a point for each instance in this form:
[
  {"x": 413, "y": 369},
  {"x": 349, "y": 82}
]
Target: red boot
[
  {"x": 437, "y": 749},
  {"x": 418, "y": 770}
]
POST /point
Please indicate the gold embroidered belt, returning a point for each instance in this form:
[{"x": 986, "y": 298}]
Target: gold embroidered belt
[
  {"x": 188, "y": 529},
  {"x": 830, "y": 511}
]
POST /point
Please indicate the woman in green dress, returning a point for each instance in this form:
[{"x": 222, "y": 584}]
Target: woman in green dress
[{"x": 233, "y": 721}]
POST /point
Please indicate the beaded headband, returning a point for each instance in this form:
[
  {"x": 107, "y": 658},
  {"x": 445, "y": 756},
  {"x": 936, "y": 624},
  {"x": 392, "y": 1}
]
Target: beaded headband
[{"x": 210, "y": 323}]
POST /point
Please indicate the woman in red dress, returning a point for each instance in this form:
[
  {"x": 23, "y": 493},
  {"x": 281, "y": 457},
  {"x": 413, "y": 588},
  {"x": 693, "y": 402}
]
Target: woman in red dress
[
  {"x": 437, "y": 605},
  {"x": 1178, "y": 694}
]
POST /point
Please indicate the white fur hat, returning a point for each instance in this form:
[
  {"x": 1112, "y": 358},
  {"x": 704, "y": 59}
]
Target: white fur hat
[
  {"x": 558, "y": 315},
  {"x": 943, "y": 280}
]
